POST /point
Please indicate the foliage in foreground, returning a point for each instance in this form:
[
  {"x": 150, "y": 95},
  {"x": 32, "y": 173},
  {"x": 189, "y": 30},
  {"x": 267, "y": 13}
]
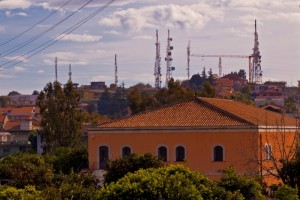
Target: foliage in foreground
[
  {"x": 286, "y": 192},
  {"x": 118, "y": 168},
  {"x": 174, "y": 182}
]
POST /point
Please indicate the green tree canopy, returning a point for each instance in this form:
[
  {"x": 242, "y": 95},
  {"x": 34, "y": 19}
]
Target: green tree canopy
[
  {"x": 174, "y": 182},
  {"x": 118, "y": 168},
  {"x": 61, "y": 119},
  {"x": 24, "y": 169}
]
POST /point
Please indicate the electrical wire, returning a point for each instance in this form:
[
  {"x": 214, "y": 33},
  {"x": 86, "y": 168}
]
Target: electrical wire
[
  {"x": 56, "y": 39},
  {"x": 37, "y": 23},
  {"x": 18, "y": 47}
]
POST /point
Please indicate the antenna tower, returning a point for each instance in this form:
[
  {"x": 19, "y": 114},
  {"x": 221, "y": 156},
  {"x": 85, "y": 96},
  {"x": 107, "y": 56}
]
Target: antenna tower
[
  {"x": 55, "y": 68},
  {"x": 157, "y": 69},
  {"x": 188, "y": 59},
  {"x": 70, "y": 73},
  {"x": 220, "y": 67},
  {"x": 116, "y": 71},
  {"x": 256, "y": 73},
  {"x": 169, "y": 59}
]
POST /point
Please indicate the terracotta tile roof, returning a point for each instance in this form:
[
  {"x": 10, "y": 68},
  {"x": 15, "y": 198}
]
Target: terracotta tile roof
[
  {"x": 12, "y": 125},
  {"x": 203, "y": 112},
  {"x": 22, "y": 111},
  {"x": 185, "y": 114},
  {"x": 251, "y": 114}
]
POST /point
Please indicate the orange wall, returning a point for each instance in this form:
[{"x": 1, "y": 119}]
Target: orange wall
[{"x": 239, "y": 148}]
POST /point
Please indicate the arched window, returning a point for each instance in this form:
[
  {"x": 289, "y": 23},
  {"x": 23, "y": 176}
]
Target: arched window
[
  {"x": 162, "y": 153},
  {"x": 268, "y": 151},
  {"x": 218, "y": 154},
  {"x": 126, "y": 151},
  {"x": 103, "y": 156},
  {"x": 180, "y": 154}
]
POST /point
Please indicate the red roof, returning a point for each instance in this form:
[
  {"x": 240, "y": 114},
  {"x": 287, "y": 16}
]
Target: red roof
[
  {"x": 22, "y": 111},
  {"x": 203, "y": 112}
]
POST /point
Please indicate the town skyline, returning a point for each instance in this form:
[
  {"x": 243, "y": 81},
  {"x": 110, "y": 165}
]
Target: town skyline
[{"x": 127, "y": 28}]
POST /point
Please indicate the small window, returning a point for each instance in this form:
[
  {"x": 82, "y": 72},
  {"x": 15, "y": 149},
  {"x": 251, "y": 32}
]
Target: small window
[
  {"x": 180, "y": 154},
  {"x": 126, "y": 151},
  {"x": 162, "y": 153},
  {"x": 218, "y": 154},
  {"x": 268, "y": 151}
]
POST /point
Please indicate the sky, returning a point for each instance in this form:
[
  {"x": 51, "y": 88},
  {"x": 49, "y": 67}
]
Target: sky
[{"x": 87, "y": 34}]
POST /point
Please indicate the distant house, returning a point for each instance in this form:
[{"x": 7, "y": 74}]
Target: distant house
[
  {"x": 18, "y": 123},
  {"x": 270, "y": 95},
  {"x": 207, "y": 135},
  {"x": 22, "y": 100},
  {"x": 229, "y": 84},
  {"x": 9, "y": 145}
]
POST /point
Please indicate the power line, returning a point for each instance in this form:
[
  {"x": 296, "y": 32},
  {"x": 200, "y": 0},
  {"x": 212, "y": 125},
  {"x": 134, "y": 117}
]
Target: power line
[
  {"x": 56, "y": 39},
  {"x": 20, "y": 46},
  {"x": 37, "y": 23}
]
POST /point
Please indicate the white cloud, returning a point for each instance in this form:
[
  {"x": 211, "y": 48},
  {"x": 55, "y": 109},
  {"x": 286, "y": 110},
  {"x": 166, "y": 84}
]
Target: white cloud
[
  {"x": 19, "y": 69},
  {"x": 6, "y": 76},
  {"x": 40, "y": 71},
  {"x": 9, "y": 14},
  {"x": 190, "y": 17},
  {"x": 65, "y": 58},
  {"x": 15, "y": 4},
  {"x": 16, "y": 58},
  {"x": 112, "y": 32},
  {"x": 81, "y": 38},
  {"x": 142, "y": 37}
]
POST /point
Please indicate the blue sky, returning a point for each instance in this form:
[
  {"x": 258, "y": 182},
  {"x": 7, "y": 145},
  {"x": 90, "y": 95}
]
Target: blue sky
[{"x": 127, "y": 28}]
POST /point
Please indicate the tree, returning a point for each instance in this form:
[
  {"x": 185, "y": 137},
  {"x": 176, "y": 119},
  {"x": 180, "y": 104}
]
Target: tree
[
  {"x": 24, "y": 169},
  {"x": 203, "y": 74},
  {"x": 174, "y": 182},
  {"x": 13, "y": 93},
  {"x": 118, "y": 168},
  {"x": 285, "y": 192},
  {"x": 208, "y": 90},
  {"x": 3, "y": 101},
  {"x": 290, "y": 104},
  {"x": 66, "y": 159},
  {"x": 35, "y": 92},
  {"x": 249, "y": 188},
  {"x": 242, "y": 73},
  {"x": 61, "y": 119}
]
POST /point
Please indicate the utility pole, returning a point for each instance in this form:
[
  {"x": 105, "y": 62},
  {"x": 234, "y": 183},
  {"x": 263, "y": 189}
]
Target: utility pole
[
  {"x": 188, "y": 59},
  {"x": 157, "y": 68},
  {"x": 116, "y": 71},
  {"x": 169, "y": 59},
  {"x": 56, "y": 69}
]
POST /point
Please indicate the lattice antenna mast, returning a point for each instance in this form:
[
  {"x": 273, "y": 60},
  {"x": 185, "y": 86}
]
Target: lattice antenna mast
[
  {"x": 220, "y": 67},
  {"x": 70, "y": 73},
  {"x": 169, "y": 59},
  {"x": 55, "y": 68},
  {"x": 188, "y": 59},
  {"x": 256, "y": 73},
  {"x": 157, "y": 68},
  {"x": 116, "y": 71}
]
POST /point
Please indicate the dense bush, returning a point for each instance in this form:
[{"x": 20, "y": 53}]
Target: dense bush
[
  {"x": 118, "y": 168},
  {"x": 249, "y": 188},
  {"x": 65, "y": 159},
  {"x": 172, "y": 182},
  {"x": 286, "y": 192},
  {"x": 24, "y": 169}
]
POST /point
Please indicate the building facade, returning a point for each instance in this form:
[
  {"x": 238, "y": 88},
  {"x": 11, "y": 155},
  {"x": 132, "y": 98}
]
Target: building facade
[{"x": 206, "y": 135}]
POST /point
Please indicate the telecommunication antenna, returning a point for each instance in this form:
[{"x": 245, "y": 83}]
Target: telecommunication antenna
[
  {"x": 55, "y": 68},
  {"x": 157, "y": 68},
  {"x": 70, "y": 73},
  {"x": 256, "y": 73},
  {"x": 169, "y": 59},
  {"x": 220, "y": 66},
  {"x": 188, "y": 59},
  {"x": 116, "y": 71}
]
